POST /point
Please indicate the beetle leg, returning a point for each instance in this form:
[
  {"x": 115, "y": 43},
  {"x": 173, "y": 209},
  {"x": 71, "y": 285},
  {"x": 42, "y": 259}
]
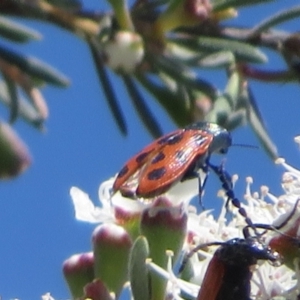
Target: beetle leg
[
  {"x": 227, "y": 185},
  {"x": 191, "y": 174}
]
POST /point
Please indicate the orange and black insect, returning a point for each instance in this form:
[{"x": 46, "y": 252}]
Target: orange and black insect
[
  {"x": 174, "y": 157},
  {"x": 228, "y": 274}
]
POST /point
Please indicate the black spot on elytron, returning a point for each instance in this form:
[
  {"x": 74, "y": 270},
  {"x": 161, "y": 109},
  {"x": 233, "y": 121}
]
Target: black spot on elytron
[
  {"x": 156, "y": 173},
  {"x": 171, "y": 139},
  {"x": 158, "y": 157},
  {"x": 163, "y": 140},
  {"x": 123, "y": 172},
  {"x": 141, "y": 157},
  {"x": 175, "y": 139},
  {"x": 181, "y": 156}
]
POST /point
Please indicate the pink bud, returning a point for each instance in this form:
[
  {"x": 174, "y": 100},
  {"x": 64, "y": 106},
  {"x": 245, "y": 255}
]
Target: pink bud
[
  {"x": 111, "y": 244},
  {"x": 78, "y": 271},
  {"x": 97, "y": 290},
  {"x": 164, "y": 226}
]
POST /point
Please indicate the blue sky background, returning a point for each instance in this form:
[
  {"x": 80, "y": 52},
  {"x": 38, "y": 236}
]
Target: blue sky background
[{"x": 83, "y": 147}]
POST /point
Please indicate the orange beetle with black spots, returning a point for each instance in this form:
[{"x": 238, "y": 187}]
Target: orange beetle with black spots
[{"x": 175, "y": 157}]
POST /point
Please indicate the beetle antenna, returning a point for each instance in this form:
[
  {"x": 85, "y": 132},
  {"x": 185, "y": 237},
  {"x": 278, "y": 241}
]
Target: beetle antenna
[
  {"x": 245, "y": 146},
  {"x": 195, "y": 250}
]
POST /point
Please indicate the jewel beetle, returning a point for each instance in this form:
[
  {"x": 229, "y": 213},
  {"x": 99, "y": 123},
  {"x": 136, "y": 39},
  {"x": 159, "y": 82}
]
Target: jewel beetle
[
  {"x": 174, "y": 157},
  {"x": 229, "y": 272}
]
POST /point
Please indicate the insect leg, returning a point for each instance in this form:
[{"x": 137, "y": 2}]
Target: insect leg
[
  {"x": 202, "y": 186},
  {"x": 228, "y": 187},
  {"x": 191, "y": 174}
]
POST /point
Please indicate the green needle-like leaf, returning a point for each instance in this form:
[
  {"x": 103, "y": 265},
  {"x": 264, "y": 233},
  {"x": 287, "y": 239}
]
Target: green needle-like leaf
[
  {"x": 195, "y": 59},
  {"x": 224, "y": 4},
  {"x": 184, "y": 75},
  {"x": 13, "y": 98},
  {"x": 226, "y": 109},
  {"x": 138, "y": 272},
  {"x": 122, "y": 14},
  {"x": 282, "y": 16},
  {"x": 108, "y": 90},
  {"x": 34, "y": 67},
  {"x": 25, "y": 109},
  {"x": 17, "y": 32},
  {"x": 216, "y": 60},
  {"x": 233, "y": 88},
  {"x": 242, "y": 51},
  {"x": 256, "y": 122},
  {"x": 142, "y": 108}
]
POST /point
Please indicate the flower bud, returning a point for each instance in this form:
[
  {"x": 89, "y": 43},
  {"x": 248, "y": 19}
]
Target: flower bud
[
  {"x": 124, "y": 52},
  {"x": 14, "y": 156},
  {"x": 111, "y": 246},
  {"x": 78, "y": 271},
  {"x": 129, "y": 220},
  {"x": 164, "y": 226},
  {"x": 183, "y": 13},
  {"x": 97, "y": 290}
]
